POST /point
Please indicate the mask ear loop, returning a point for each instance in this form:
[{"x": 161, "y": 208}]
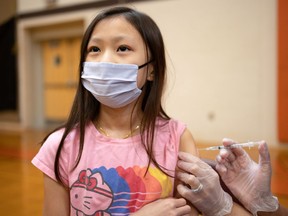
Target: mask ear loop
[
  {"x": 145, "y": 64},
  {"x": 149, "y": 76}
]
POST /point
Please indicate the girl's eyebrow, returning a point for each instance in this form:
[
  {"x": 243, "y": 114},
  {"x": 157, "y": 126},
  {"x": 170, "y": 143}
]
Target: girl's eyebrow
[
  {"x": 114, "y": 39},
  {"x": 95, "y": 39}
]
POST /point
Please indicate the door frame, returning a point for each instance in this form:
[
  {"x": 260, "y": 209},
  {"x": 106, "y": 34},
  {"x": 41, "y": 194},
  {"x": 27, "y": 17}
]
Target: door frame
[{"x": 30, "y": 32}]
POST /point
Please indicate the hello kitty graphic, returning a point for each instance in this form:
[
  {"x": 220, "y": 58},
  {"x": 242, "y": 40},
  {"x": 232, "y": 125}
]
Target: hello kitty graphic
[
  {"x": 119, "y": 191},
  {"x": 90, "y": 195}
]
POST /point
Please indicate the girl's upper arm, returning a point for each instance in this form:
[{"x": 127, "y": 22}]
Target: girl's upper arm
[
  {"x": 56, "y": 198},
  {"x": 187, "y": 143}
]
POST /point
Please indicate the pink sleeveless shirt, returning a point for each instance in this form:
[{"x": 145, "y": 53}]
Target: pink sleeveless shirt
[{"x": 110, "y": 177}]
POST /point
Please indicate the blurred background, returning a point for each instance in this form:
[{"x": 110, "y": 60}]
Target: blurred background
[{"x": 227, "y": 77}]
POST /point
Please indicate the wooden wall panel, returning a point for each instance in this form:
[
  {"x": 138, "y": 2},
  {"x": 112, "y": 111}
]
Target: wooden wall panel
[{"x": 283, "y": 71}]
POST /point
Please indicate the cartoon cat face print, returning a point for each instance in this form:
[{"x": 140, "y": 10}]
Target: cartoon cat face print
[{"x": 90, "y": 195}]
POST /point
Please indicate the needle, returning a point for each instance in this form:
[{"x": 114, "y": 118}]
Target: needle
[{"x": 236, "y": 145}]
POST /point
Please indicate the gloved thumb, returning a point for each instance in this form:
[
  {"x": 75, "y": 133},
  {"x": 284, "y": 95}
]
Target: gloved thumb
[{"x": 264, "y": 156}]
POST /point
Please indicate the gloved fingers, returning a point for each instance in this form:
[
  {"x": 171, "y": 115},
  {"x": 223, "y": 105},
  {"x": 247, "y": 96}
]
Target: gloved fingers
[
  {"x": 211, "y": 200},
  {"x": 227, "y": 155},
  {"x": 226, "y": 158},
  {"x": 228, "y": 141},
  {"x": 264, "y": 159},
  {"x": 189, "y": 179},
  {"x": 221, "y": 169},
  {"x": 194, "y": 168},
  {"x": 185, "y": 192},
  {"x": 237, "y": 157},
  {"x": 184, "y": 156},
  {"x": 236, "y": 151},
  {"x": 220, "y": 160},
  {"x": 225, "y": 164},
  {"x": 193, "y": 165},
  {"x": 195, "y": 198},
  {"x": 264, "y": 155},
  {"x": 225, "y": 167}
]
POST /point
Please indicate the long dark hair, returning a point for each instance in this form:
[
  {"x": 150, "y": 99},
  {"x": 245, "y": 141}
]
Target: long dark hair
[{"x": 86, "y": 108}]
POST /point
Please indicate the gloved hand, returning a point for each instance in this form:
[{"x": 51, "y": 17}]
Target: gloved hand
[
  {"x": 211, "y": 199},
  {"x": 248, "y": 181}
]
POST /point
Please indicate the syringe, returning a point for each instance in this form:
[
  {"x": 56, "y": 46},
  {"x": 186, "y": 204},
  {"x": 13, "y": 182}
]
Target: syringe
[{"x": 249, "y": 144}]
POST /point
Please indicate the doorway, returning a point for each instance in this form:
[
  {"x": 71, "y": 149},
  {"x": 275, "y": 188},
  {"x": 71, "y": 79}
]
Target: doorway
[
  {"x": 8, "y": 81},
  {"x": 50, "y": 33},
  {"x": 60, "y": 78}
]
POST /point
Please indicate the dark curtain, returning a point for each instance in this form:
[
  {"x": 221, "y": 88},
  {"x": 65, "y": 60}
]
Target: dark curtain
[{"x": 8, "y": 77}]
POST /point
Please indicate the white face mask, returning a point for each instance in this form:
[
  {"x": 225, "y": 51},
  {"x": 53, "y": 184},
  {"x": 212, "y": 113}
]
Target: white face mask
[{"x": 114, "y": 85}]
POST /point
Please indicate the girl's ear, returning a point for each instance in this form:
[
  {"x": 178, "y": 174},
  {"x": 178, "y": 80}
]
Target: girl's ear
[
  {"x": 150, "y": 76},
  {"x": 150, "y": 72}
]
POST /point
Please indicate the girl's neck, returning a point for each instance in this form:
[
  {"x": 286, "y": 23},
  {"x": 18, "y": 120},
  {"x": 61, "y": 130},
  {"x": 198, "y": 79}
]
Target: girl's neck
[{"x": 118, "y": 123}]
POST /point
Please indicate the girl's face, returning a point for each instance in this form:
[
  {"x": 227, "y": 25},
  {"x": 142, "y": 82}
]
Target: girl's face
[{"x": 115, "y": 40}]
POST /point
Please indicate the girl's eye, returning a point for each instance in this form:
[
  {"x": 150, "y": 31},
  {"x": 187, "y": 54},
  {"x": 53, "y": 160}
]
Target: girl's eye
[
  {"x": 123, "y": 49},
  {"x": 94, "y": 49}
]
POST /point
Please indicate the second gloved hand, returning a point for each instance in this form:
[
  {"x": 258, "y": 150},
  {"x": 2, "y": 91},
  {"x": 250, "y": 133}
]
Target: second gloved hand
[{"x": 247, "y": 180}]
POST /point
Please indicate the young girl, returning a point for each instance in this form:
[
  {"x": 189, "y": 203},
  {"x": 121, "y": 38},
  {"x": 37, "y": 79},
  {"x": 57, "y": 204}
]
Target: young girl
[{"x": 118, "y": 150}]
